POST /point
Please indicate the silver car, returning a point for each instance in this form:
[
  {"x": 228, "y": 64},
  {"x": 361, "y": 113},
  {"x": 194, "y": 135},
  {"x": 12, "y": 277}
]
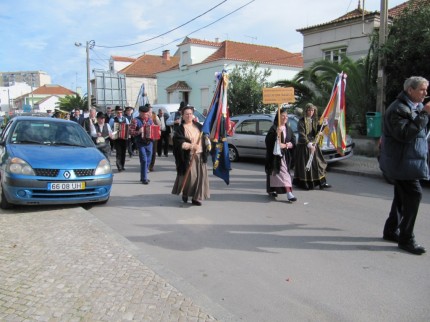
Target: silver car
[{"x": 250, "y": 133}]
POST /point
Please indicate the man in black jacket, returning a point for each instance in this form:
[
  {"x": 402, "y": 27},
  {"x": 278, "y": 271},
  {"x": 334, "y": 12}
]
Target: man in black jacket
[
  {"x": 163, "y": 142},
  {"x": 404, "y": 153}
]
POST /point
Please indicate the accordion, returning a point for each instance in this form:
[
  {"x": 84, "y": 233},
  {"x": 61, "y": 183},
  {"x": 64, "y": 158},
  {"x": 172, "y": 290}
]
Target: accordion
[
  {"x": 151, "y": 132},
  {"x": 121, "y": 131}
]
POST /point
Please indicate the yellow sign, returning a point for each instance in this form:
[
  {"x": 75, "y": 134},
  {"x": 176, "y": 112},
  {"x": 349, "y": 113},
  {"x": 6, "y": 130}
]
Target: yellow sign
[{"x": 278, "y": 95}]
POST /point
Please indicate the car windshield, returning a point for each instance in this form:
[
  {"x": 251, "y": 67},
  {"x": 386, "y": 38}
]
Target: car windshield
[{"x": 50, "y": 133}]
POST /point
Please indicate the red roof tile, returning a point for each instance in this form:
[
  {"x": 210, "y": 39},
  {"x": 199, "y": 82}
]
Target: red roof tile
[
  {"x": 122, "y": 58},
  {"x": 149, "y": 65},
  {"x": 52, "y": 90},
  {"x": 230, "y": 50}
]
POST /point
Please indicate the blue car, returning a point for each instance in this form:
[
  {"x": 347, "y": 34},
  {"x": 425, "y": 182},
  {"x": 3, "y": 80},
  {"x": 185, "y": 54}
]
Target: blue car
[{"x": 49, "y": 161}]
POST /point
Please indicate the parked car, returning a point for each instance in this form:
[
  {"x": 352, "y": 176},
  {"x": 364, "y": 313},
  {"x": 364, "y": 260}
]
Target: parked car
[
  {"x": 50, "y": 161},
  {"x": 250, "y": 132}
]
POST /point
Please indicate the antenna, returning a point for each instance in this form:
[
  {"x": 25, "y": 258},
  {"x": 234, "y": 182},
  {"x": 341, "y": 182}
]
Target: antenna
[{"x": 254, "y": 38}]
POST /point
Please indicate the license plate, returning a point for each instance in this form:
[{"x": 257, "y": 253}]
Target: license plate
[{"x": 66, "y": 186}]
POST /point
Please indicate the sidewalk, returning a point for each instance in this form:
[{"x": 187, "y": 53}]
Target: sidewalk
[
  {"x": 357, "y": 165},
  {"x": 66, "y": 265}
]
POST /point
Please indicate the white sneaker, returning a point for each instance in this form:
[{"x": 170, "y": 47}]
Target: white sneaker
[{"x": 291, "y": 197}]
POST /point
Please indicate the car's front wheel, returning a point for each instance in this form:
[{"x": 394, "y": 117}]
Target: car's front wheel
[
  {"x": 233, "y": 155},
  {"x": 4, "y": 204}
]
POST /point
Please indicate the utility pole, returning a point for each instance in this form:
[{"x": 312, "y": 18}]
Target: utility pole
[
  {"x": 89, "y": 45},
  {"x": 380, "y": 97}
]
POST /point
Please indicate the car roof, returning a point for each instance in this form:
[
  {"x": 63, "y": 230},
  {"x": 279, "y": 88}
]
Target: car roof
[
  {"x": 34, "y": 118},
  {"x": 252, "y": 116}
]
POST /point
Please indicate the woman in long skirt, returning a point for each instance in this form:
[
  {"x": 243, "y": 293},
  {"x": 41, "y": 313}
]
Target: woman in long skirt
[
  {"x": 190, "y": 151},
  {"x": 278, "y": 164},
  {"x": 306, "y": 146}
]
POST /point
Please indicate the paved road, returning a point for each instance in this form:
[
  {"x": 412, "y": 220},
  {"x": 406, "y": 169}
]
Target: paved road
[
  {"x": 67, "y": 265},
  {"x": 321, "y": 258}
]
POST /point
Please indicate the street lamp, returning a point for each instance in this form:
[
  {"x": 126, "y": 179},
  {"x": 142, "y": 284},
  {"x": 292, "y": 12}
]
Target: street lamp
[{"x": 90, "y": 45}]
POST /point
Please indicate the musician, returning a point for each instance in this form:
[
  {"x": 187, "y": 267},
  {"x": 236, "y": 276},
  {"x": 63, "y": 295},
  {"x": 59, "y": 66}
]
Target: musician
[
  {"x": 142, "y": 140},
  {"x": 103, "y": 131},
  {"x": 191, "y": 156},
  {"x": 130, "y": 141},
  {"x": 306, "y": 146},
  {"x": 163, "y": 143},
  {"x": 120, "y": 125}
]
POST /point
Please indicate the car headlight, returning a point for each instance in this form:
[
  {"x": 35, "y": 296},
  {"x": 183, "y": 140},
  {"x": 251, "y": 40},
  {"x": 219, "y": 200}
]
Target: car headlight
[
  {"x": 103, "y": 168},
  {"x": 19, "y": 166}
]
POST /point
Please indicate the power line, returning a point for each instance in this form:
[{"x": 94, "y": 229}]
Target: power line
[
  {"x": 175, "y": 40},
  {"x": 167, "y": 32}
]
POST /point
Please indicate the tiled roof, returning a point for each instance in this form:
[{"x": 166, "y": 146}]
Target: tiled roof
[
  {"x": 397, "y": 10},
  {"x": 230, "y": 50},
  {"x": 357, "y": 13},
  {"x": 181, "y": 85},
  {"x": 354, "y": 14},
  {"x": 52, "y": 90},
  {"x": 196, "y": 41},
  {"x": 149, "y": 65},
  {"x": 122, "y": 58}
]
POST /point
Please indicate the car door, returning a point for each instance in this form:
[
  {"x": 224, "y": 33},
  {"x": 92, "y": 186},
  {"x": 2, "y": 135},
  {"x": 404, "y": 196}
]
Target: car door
[
  {"x": 245, "y": 137},
  {"x": 263, "y": 128}
]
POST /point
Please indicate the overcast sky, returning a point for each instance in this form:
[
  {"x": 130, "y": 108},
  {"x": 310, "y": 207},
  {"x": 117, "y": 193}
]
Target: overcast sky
[{"x": 40, "y": 34}]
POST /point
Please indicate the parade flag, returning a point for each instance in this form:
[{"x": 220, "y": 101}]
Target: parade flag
[
  {"x": 216, "y": 126},
  {"x": 335, "y": 112},
  {"x": 142, "y": 98}
]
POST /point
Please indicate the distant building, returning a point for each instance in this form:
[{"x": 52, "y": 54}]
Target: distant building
[
  {"x": 39, "y": 97},
  {"x": 32, "y": 78},
  {"x": 347, "y": 35},
  {"x": 192, "y": 79},
  {"x": 143, "y": 71}
]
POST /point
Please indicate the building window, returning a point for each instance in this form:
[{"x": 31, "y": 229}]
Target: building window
[{"x": 334, "y": 55}]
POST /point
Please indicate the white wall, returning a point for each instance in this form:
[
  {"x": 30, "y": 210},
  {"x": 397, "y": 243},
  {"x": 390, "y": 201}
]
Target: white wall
[
  {"x": 354, "y": 35},
  {"x": 202, "y": 76},
  {"x": 13, "y": 92}
]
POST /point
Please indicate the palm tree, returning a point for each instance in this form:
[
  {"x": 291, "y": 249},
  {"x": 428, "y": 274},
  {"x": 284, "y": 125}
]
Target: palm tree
[
  {"x": 71, "y": 102},
  {"x": 315, "y": 85}
]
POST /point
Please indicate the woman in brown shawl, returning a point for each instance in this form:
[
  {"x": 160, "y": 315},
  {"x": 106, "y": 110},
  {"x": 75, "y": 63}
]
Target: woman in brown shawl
[{"x": 190, "y": 151}]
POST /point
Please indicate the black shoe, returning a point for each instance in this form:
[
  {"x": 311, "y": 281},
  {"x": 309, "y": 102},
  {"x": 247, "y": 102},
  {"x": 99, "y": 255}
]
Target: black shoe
[
  {"x": 413, "y": 248},
  {"x": 123, "y": 169},
  {"x": 391, "y": 237},
  {"x": 145, "y": 181},
  {"x": 325, "y": 186},
  {"x": 196, "y": 202},
  {"x": 185, "y": 199},
  {"x": 119, "y": 170},
  {"x": 273, "y": 194}
]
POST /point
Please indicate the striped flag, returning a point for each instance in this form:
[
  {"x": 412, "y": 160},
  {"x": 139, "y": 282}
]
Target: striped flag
[
  {"x": 216, "y": 126},
  {"x": 335, "y": 113}
]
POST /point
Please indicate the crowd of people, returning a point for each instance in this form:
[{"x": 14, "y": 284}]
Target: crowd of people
[{"x": 404, "y": 152}]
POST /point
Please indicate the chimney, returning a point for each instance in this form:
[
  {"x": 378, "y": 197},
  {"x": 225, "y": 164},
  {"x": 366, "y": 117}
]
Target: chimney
[{"x": 166, "y": 55}]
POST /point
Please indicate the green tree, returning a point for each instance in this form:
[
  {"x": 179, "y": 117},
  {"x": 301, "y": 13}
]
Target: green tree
[
  {"x": 407, "y": 49},
  {"x": 245, "y": 92},
  {"x": 71, "y": 102}
]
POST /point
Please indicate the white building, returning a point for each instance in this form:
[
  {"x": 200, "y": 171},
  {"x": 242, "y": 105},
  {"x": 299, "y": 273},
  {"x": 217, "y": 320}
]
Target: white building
[{"x": 192, "y": 80}]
